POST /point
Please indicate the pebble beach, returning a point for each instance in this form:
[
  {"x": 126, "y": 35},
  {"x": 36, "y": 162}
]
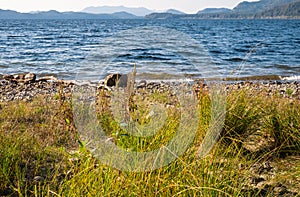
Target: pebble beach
[{"x": 28, "y": 86}]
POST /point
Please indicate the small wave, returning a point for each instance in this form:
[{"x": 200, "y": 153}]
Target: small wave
[
  {"x": 235, "y": 59},
  {"x": 242, "y": 50},
  {"x": 291, "y": 78},
  {"x": 16, "y": 36},
  {"x": 3, "y": 66},
  {"x": 152, "y": 57},
  {"x": 215, "y": 51},
  {"x": 127, "y": 55},
  {"x": 142, "y": 49},
  {"x": 281, "y": 66}
]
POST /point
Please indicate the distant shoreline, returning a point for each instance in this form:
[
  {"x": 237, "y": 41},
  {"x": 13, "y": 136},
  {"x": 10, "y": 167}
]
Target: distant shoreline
[{"x": 267, "y": 18}]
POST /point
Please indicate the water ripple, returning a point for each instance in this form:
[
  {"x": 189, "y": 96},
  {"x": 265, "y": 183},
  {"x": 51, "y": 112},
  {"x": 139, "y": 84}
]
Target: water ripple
[{"x": 58, "y": 47}]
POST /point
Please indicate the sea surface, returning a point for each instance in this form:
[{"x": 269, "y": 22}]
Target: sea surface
[{"x": 89, "y": 49}]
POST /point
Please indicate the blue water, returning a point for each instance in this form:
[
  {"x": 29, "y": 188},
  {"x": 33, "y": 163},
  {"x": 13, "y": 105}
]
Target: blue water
[{"x": 236, "y": 47}]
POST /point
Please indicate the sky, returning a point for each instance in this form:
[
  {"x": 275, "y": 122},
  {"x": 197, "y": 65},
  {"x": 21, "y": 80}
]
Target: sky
[{"x": 188, "y": 6}]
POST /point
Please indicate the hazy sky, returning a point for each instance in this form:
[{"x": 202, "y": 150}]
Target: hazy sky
[{"x": 188, "y": 6}]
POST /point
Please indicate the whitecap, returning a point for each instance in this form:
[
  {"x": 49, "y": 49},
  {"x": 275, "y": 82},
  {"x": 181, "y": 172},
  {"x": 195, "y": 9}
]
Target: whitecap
[{"x": 291, "y": 78}]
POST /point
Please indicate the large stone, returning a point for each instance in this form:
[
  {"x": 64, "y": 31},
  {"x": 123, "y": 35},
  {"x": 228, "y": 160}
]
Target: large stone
[
  {"x": 112, "y": 79},
  {"x": 116, "y": 80},
  {"x": 30, "y": 77}
]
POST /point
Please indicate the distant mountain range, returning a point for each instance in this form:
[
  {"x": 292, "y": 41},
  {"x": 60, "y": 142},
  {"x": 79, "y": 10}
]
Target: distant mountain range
[
  {"x": 259, "y": 6},
  {"x": 101, "y": 12},
  {"x": 112, "y": 9},
  {"x": 52, "y": 14},
  {"x": 214, "y": 10},
  {"x": 135, "y": 11},
  {"x": 257, "y": 9},
  {"x": 173, "y": 11},
  {"x": 290, "y": 9}
]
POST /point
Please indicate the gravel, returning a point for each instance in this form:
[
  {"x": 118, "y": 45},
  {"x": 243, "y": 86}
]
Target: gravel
[{"x": 18, "y": 89}]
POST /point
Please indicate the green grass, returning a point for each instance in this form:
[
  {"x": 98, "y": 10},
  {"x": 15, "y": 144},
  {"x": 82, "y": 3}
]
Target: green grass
[{"x": 42, "y": 155}]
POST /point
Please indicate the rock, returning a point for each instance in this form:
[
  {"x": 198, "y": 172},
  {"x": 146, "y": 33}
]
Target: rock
[
  {"x": 47, "y": 78},
  {"x": 30, "y": 77},
  {"x": 37, "y": 179},
  {"x": 259, "y": 142},
  {"x": 280, "y": 190},
  {"x": 66, "y": 82},
  {"x": 112, "y": 79},
  {"x": 256, "y": 180},
  {"x": 19, "y": 77},
  {"x": 116, "y": 79},
  {"x": 103, "y": 87},
  {"x": 142, "y": 84},
  {"x": 123, "y": 81},
  {"x": 8, "y": 77}
]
